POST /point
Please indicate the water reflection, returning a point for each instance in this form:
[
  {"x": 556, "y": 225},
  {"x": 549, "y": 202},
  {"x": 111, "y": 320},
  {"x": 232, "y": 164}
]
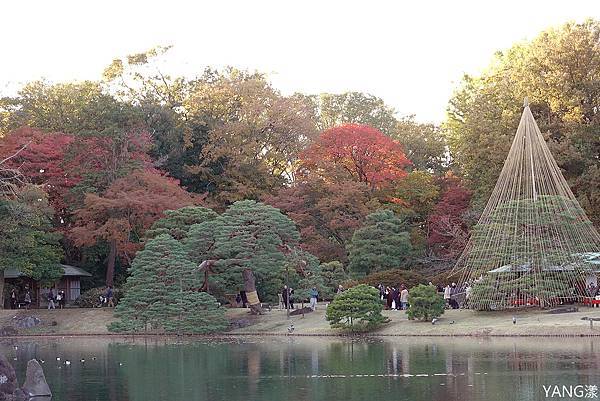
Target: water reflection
[{"x": 303, "y": 368}]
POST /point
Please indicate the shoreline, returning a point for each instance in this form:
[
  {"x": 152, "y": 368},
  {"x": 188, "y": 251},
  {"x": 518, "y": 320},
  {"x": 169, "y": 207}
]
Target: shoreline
[{"x": 92, "y": 323}]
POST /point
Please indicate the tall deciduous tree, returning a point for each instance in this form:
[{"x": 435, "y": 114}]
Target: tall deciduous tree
[
  {"x": 27, "y": 242},
  {"x": 326, "y": 213},
  {"x": 122, "y": 214},
  {"x": 357, "y": 152},
  {"x": 353, "y": 108},
  {"x": 382, "y": 243},
  {"x": 72, "y": 108},
  {"x": 424, "y": 144},
  {"x": 40, "y": 157},
  {"x": 559, "y": 71},
  {"x": 449, "y": 222}
]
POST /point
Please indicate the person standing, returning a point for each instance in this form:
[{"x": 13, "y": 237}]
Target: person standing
[
  {"x": 51, "y": 298},
  {"x": 59, "y": 299},
  {"x": 285, "y": 294},
  {"x": 389, "y": 297},
  {"x": 13, "y": 299},
  {"x": 396, "y": 297},
  {"x": 291, "y": 298},
  {"x": 314, "y": 294},
  {"x": 340, "y": 289},
  {"x": 404, "y": 298},
  {"x": 27, "y": 299},
  {"x": 447, "y": 292},
  {"x": 110, "y": 297}
]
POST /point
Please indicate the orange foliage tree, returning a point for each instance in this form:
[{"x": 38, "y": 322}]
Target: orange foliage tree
[
  {"x": 39, "y": 156},
  {"x": 125, "y": 211},
  {"x": 358, "y": 152}
]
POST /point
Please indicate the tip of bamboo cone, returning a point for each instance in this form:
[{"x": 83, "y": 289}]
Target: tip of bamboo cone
[{"x": 526, "y": 102}]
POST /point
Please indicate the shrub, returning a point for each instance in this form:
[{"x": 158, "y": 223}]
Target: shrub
[
  {"x": 424, "y": 303},
  {"x": 356, "y": 309},
  {"x": 394, "y": 278},
  {"x": 91, "y": 297}
]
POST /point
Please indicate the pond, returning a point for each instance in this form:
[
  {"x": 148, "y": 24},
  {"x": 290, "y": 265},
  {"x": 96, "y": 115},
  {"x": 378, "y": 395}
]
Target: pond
[{"x": 310, "y": 368}]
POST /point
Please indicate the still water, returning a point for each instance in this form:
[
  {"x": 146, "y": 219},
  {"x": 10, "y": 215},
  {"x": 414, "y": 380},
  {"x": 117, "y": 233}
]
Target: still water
[{"x": 301, "y": 368}]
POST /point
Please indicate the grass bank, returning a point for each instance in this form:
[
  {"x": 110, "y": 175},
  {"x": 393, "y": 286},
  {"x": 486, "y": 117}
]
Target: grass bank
[{"x": 74, "y": 322}]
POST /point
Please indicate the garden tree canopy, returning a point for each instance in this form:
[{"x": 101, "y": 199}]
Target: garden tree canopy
[
  {"x": 162, "y": 291},
  {"x": 559, "y": 70},
  {"x": 424, "y": 144},
  {"x": 177, "y": 223},
  {"x": 72, "y": 108},
  {"x": 356, "y": 152},
  {"x": 40, "y": 157},
  {"x": 449, "y": 221},
  {"x": 326, "y": 213},
  {"x": 333, "y": 274},
  {"x": 533, "y": 241},
  {"x": 26, "y": 240},
  {"x": 248, "y": 235},
  {"x": 122, "y": 214},
  {"x": 358, "y": 309},
  {"x": 382, "y": 243},
  {"x": 353, "y": 108}
]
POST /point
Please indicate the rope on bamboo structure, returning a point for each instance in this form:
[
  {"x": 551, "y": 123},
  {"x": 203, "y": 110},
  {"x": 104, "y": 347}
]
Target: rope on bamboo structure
[{"x": 533, "y": 244}]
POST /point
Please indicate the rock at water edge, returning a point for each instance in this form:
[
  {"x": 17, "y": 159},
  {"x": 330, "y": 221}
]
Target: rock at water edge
[{"x": 35, "y": 381}]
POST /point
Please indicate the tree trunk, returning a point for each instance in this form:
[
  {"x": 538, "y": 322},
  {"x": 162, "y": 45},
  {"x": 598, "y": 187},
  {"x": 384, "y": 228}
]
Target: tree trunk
[
  {"x": 110, "y": 266},
  {"x": 2, "y": 289},
  {"x": 250, "y": 288}
]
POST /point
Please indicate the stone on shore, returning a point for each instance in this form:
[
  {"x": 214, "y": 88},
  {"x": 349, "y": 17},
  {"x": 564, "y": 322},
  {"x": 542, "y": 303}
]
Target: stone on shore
[
  {"x": 35, "y": 381},
  {"x": 8, "y": 377}
]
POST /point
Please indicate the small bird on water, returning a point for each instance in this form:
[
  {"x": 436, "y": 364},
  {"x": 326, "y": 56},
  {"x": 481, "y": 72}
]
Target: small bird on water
[
  {"x": 434, "y": 321},
  {"x": 514, "y": 320},
  {"x": 291, "y": 328}
]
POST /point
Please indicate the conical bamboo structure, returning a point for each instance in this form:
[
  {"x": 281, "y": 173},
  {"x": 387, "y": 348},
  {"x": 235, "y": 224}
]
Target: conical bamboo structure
[{"x": 533, "y": 244}]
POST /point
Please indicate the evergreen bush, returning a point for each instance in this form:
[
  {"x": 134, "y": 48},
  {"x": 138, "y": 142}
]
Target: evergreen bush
[
  {"x": 356, "y": 309},
  {"x": 424, "y": 303}
]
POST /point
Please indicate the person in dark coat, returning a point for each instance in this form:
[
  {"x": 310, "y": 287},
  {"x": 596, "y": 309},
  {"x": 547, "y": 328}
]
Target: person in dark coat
[
  {"x": 397, "y": 298},
  {"x": 285, "y": 293},
  {"x": 389, "y": 297}
]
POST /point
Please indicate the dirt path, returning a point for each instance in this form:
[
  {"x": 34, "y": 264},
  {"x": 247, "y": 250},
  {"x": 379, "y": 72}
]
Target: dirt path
[{"x": 453, "y": 323}]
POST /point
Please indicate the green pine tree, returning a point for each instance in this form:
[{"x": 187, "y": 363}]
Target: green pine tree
[
  {"x": 382, "y": 243},
  {"x": 251, "y": 235},
  {"x": 177, "y": 223},
  {"x": 161, "y": 293},
  {"x": 357, "y": 309}
]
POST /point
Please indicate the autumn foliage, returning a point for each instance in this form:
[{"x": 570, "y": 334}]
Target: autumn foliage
[
  {"x": 358, "y": 152},
  {"x": 448, "y": 223},
  {"x": 40, "y": 157},
  {"x": 122, "y": 214}
]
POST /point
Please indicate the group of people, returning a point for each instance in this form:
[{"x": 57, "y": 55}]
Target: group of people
[
  {"x": 14, "y": 299},
  {"x": 395, "y": 298},
  {"x": 287, "y": 297},
  {"x": 55, "y": 299},
  {"x": 450, "y": 291}
]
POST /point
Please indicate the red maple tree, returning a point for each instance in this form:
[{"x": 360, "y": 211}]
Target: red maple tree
[
  {"x": 359, "y": 152},
  {"x": 448, "y": 223},
  {"x": 326, "y": 213},
  {"x": 40, "y": 157},
  {"x": 122, "y": 214}
]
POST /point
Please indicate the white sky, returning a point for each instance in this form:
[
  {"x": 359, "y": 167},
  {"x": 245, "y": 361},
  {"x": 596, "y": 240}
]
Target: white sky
[{"x": 411, "y": 53}]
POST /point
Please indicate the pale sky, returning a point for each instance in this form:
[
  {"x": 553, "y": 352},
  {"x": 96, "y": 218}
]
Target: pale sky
[{"x": 410, "y": 53}]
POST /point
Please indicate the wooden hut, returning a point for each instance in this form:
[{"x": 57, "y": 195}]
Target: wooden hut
[{"x": 70, "y": 283}]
